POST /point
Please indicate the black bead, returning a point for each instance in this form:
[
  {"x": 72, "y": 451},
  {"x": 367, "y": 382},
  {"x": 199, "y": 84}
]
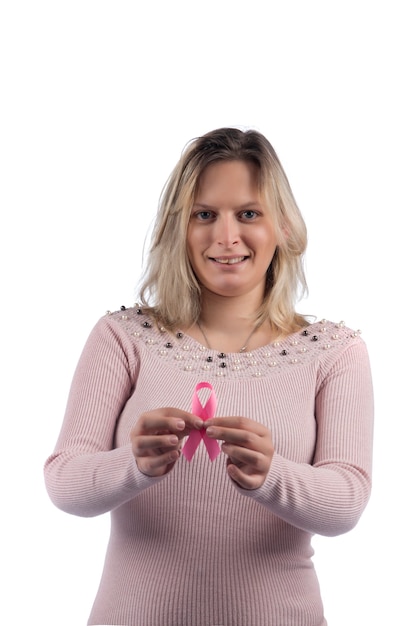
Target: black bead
[
  {"x": 305, "y": 333},
  {"x": 146, "y": 324},
  {"x": 314, "y": 338},
  {"x": 222, "y": 355},
  {"x": 209, "y": 359},
  {"x": 284, "y": 353},
  {"x": 180, "y": 335},
  {"x": 223, "y": 364},
  {"x": 123, "y": 308},
  {"x": 139, "y": 311},
  {"x": 168, "y": 345}
]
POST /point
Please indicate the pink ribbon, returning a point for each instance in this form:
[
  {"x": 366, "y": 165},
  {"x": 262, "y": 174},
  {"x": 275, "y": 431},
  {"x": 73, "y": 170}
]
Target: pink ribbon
[{"x": 205, "y": 412}]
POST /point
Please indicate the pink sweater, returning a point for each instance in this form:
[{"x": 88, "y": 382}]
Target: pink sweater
[{"x": 191, "y": 548}]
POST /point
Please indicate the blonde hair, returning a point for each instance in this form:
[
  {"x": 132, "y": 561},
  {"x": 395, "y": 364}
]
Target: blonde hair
[{"x": 169, "y": 288}]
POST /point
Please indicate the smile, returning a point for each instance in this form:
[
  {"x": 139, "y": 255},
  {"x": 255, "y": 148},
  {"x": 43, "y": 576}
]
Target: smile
[{"x": 229, "y": 261}]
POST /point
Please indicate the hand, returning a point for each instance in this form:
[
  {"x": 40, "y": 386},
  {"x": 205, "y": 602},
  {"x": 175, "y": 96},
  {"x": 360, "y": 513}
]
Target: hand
[
  {"x": 156, "y": 439},
  {"x": 248, "y": 446}
]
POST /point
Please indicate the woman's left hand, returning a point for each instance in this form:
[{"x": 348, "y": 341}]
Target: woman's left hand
[{"x": 248, "y": 446}]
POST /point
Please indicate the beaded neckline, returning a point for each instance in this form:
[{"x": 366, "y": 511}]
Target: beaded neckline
[{"x": 182, "y": 351}]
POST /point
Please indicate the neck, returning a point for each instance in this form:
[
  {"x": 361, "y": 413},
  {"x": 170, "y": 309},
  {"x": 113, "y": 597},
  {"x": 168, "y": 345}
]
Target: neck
[
  {"x": 227, "y": 313},
  {"x": 228, "y": 324}
]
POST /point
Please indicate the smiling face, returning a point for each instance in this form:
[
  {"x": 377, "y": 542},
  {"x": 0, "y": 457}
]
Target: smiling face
[{"x": 231, "y": 237}]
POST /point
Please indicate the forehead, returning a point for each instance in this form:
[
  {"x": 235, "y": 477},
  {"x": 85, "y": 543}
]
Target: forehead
[{"x": 228, "y": 178}]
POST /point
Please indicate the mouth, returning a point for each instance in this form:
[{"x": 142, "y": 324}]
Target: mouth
[{"x": 228, "y": 260}]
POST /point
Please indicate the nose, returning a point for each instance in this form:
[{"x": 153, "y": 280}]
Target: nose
[{"x": 227, "y": 230}]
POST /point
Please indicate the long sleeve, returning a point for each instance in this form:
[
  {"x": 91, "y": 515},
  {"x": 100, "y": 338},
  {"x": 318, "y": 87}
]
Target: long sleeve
[
  {"x": 328, "y": 496},
  {"x": 193, "y": 530},
  {"x": 87, "y": 475}
]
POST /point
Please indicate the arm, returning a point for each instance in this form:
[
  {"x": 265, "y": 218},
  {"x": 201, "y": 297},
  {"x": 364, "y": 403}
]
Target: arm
[
  {"x": 328, "y": 496},
  {"x": 85, "y": 475}
]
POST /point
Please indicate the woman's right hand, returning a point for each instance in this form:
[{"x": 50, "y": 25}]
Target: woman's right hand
[{"x": 157, "y": 439}]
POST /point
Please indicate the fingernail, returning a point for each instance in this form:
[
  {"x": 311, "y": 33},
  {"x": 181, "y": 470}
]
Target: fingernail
[
  {"x": 180, "y": 425},
  {"x": 198, "y": 423},
  {"x": 210, "y": 430},
  {"x": 173, "y": 439}
]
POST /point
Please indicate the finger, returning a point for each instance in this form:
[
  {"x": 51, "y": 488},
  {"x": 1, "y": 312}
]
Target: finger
[
  {"x": 157, "y": 465},
  {"x": 246, "y": 481},
  {"x": 255, "y": 460},
  {"x": 157, "y": 423},
  {"x": 243, "y": 438},
  {"x": 237, "y": 423},
  {"x": 154, "y": 442}
]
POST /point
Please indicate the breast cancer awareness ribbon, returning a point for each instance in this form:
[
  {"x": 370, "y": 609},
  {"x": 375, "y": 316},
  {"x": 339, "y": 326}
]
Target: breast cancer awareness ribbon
[{"x": 205, "y": 412}]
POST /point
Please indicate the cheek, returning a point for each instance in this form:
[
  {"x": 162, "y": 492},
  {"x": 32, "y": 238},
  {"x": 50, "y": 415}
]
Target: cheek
[
  {"x": 197, "y": 242},
  {"x": 268, "y": 239}
]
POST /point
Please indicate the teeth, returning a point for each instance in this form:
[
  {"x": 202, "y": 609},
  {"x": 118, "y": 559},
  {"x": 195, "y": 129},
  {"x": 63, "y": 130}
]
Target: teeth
[{"x": 230, "y": 261}]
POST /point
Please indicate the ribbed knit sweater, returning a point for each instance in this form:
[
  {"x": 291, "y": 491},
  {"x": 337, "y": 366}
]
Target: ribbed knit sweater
[{"x": 191, "y": 548}]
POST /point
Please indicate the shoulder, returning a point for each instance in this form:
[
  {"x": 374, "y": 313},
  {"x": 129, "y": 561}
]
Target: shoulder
[
  {"x": 131, "y": 323},
  {"x": 326, "y": 337},
  {"x": 326, "y": 334},
  {"x": 125, "y": 319},
  {"x": 333, "y": 345}
]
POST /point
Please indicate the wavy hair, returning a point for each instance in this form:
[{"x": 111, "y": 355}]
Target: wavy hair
[{"x": 169, "y": 288}]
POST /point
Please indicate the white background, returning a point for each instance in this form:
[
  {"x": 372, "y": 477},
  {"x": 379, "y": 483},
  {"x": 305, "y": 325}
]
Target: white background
[{"x": 97, "y": 101}]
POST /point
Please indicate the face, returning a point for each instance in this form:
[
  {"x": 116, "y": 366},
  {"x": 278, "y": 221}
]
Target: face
[{"x": 231, "y": 237}]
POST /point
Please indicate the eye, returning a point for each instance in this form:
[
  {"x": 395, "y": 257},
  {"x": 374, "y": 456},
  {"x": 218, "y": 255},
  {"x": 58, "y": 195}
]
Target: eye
[
  {"x": 204, "y": 215},
  {"x": 249, "y": 214}
]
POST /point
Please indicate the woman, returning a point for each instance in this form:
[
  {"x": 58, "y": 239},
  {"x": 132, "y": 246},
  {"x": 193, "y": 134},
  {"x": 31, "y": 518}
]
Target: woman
[{"x": 198, "y": 538}]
